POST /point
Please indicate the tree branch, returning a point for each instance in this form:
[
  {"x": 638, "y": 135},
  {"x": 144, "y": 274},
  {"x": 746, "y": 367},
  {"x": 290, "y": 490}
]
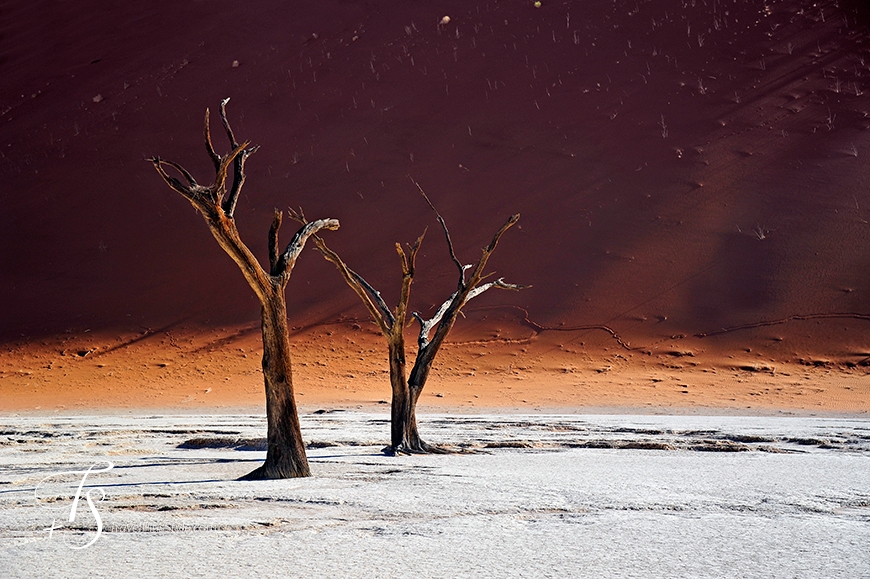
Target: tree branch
[
  {"x": 477, "y": 273},
  {"x": 273, "y": 240},
  {"x": 370, "y": 297},
  {"x": 215, "y": 158},
  {"x": 287, "y": 260},
  {"x": 507, "y": 225},
  {"x": 226, "y": 123},
  {"x": 427, "y": 325},
  {"x": 375, "y": 296},
  {"x": 191, "y": 182},
  {"x": 229, "y": 206},
  {"x": 219, "y": 187},
  {"x": 499, "y": 283},
  {"x": 446, "y": 315},
  {"x": 409, "y": 265},
  {"x": 192, "y": 192},
  {"x": 446, "y": 235}
]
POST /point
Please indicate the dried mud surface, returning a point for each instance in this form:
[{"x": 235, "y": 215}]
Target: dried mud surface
[{"x": 529, "y": 496}]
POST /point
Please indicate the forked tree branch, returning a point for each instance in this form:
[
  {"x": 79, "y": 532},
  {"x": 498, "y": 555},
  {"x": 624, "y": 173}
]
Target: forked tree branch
[
  {"x": 427, "y": 325},
  {"x": 499, "y": 283},
  {"x": 190, "y": 180},
  {"x": 219, "y": 187},
  {"x": 191, "y": 192},
  {"x": 219, "y": 211}
]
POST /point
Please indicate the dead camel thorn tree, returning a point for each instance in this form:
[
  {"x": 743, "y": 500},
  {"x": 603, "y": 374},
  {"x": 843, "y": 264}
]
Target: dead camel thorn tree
[
  {"x": 404, "y": 436},
  {"x": 285, "y": 457}
]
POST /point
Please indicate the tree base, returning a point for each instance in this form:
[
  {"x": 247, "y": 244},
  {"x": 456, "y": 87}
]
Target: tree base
[
  {"x": 406, "y": 449},
  {"x": 272, "y": 472}
]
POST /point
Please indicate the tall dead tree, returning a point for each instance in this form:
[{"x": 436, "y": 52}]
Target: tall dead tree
[
  {"x": 406, "y": 389},
  {"x": 285, "y": 457}
]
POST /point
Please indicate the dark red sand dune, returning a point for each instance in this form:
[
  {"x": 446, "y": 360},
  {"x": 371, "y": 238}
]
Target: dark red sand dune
[{"x": 680, "y": 166}]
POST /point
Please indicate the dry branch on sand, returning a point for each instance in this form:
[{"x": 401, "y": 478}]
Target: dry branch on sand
[
  {"x": 285, "y": 457},
  {"x": 406, "y": 389}
]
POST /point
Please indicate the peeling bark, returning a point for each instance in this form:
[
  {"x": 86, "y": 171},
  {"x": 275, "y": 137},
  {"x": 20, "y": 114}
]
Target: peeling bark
[{"x": 285, "y": 457}]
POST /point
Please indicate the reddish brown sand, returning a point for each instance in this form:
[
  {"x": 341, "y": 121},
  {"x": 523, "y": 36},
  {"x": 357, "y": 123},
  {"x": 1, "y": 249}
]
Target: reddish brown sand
[
  {"x": 344, "y": 366},
  {"x": 691, "y": 175}
]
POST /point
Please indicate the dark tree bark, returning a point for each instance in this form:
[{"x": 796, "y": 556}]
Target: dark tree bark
[
  {"x": 285, "y": 457},
  {"x": 406, "y": 389}
]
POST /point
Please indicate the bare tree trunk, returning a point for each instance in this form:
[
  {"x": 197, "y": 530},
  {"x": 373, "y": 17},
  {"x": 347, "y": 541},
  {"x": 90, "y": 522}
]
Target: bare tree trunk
[
  {"x": 401, "y": 399},
  {"x": 414, "y": 441},
  {"x": 404, "y": 436},
  {"x": 285, "y": 457}
]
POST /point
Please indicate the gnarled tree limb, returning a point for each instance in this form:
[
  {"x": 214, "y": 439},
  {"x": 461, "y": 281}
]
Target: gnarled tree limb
[
  {"x": 460, "y": 297},
  {"x": 287, "y": 260},
  {"x": 409, "y": 265},
  {"x": 499, "y": 283}
]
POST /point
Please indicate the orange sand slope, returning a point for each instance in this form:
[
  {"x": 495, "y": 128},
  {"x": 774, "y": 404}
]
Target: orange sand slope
[{"x": 344, "y": 366}]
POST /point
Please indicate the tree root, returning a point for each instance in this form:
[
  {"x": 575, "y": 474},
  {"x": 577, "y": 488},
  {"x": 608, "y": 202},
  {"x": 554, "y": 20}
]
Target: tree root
[{"x": 406, "y": 449}]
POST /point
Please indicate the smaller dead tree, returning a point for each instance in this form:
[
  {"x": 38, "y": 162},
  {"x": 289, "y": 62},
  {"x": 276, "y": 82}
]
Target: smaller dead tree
[
  {"x": 406, "y": 389},
  {"x": 285, "y": 457}
]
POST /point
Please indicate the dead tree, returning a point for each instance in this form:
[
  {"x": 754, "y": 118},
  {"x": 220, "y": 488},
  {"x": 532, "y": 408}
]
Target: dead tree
[
  {"x": 406, "y": 389},
  {"x": 285, "y": 457}
]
